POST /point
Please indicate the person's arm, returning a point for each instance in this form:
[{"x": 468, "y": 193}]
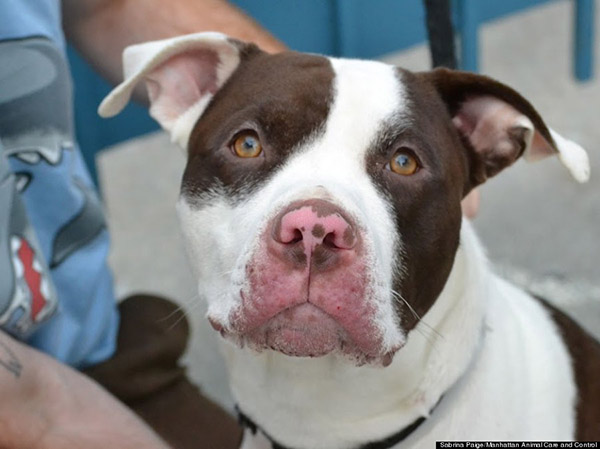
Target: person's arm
[
  {"x": 47, "y": 405},
  {"x": 101, "y": 29}
]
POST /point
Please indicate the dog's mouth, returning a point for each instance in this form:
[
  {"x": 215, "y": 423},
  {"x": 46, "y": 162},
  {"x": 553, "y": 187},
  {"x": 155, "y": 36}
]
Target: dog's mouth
[
  {"x": 301, "y": 331},
  {"x": 306, "y": 330}
]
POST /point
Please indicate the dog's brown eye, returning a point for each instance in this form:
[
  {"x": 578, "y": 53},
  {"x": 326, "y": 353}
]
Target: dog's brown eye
[
  {"x": 247, "y": 144},
  {"x": 404, "y": 162}
]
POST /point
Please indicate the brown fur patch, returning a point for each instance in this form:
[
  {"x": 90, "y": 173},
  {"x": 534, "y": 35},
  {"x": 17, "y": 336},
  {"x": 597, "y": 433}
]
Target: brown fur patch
[
  {"x": 455, "y": 87},
  {"x": 426, "y": 205},
  {"x": 585, "y": 355},
  {"x": 285, "y": 98}
]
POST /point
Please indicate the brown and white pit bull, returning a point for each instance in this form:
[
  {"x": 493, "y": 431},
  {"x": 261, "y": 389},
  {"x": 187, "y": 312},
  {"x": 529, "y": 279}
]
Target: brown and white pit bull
[{"x": 321, "y": 206}]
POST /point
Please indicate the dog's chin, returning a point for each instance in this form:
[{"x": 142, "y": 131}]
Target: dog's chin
[
  {"x": 300, "y": 331},
  {"x": 307, "y": 331}
]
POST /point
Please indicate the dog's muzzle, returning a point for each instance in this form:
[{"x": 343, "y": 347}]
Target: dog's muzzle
[{"x": 308, "y": 287}]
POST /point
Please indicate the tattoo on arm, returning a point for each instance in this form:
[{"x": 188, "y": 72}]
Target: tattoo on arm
[{"x": 9, "y": 360}]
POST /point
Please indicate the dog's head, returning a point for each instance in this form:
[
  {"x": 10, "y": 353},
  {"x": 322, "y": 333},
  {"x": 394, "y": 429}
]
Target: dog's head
[{"x": 321, "y": 198}]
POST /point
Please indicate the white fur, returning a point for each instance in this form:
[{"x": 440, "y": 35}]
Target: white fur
[
  {"x": 182, "y": 127},
  {"x": 573, "y": 156}
]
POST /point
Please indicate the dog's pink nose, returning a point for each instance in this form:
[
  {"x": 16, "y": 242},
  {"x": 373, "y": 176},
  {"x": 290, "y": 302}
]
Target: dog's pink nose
[
  {"x": 315, "y": 222},
  {"x": 313, "y": 231}
]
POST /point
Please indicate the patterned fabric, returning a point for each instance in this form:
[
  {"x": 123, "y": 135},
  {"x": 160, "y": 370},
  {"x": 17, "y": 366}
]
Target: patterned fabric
[
  {"x": 26, "y": 18},
  {"x": 55, "y": 286}
]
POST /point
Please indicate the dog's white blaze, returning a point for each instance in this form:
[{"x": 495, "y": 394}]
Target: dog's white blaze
[{"x": 332, "y": 165}]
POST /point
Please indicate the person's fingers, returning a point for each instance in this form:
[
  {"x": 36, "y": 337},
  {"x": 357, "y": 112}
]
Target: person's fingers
[{"x": 470, "y": 204}]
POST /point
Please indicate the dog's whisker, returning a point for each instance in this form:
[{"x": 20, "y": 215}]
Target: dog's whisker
[
  {"x": 181, "y": 308},
  {"x": 177, "y": 321},
  {"x": 429, "y": 337},
  {"x": 192, "y": 299},
  {"x": 185, "y": 312},
  {"x": 399, "y": 297}
]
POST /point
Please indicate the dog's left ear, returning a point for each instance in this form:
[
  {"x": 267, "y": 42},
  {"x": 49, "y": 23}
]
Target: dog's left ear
[
  {"x": 498, "y": 126},
  {"x": 181, "y": 74}
]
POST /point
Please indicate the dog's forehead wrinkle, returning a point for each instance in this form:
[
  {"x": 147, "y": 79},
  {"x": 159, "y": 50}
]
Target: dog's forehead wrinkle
[{"x": 392, "y": 129}]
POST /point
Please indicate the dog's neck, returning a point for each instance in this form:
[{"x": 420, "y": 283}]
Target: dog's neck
[{"x": 344, "y": 405}]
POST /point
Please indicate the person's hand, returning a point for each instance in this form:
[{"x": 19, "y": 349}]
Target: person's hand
[
  {"x": 47, "y": 405},
  {"x": 470, "y": 204}
]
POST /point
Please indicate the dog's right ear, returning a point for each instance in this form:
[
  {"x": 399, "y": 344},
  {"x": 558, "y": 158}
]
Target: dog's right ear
[
  {"x": 182, "y": 74},
  {"x": 498, "y": 126}
]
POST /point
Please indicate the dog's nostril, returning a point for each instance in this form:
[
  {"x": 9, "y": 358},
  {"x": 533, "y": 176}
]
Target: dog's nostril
[
  {"x": 288, "y": 236},
  {"x": 296, "y": 237},
  {"x": 329, "y": 241}
]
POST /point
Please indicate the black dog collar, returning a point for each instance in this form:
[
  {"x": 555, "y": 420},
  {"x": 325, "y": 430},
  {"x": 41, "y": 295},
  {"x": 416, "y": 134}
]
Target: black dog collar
[{"x": 386, "y": 443}]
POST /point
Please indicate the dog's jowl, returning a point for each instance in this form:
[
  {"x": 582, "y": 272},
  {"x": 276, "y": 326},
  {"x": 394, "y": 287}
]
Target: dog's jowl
[{"x": 321, "y": 207}]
